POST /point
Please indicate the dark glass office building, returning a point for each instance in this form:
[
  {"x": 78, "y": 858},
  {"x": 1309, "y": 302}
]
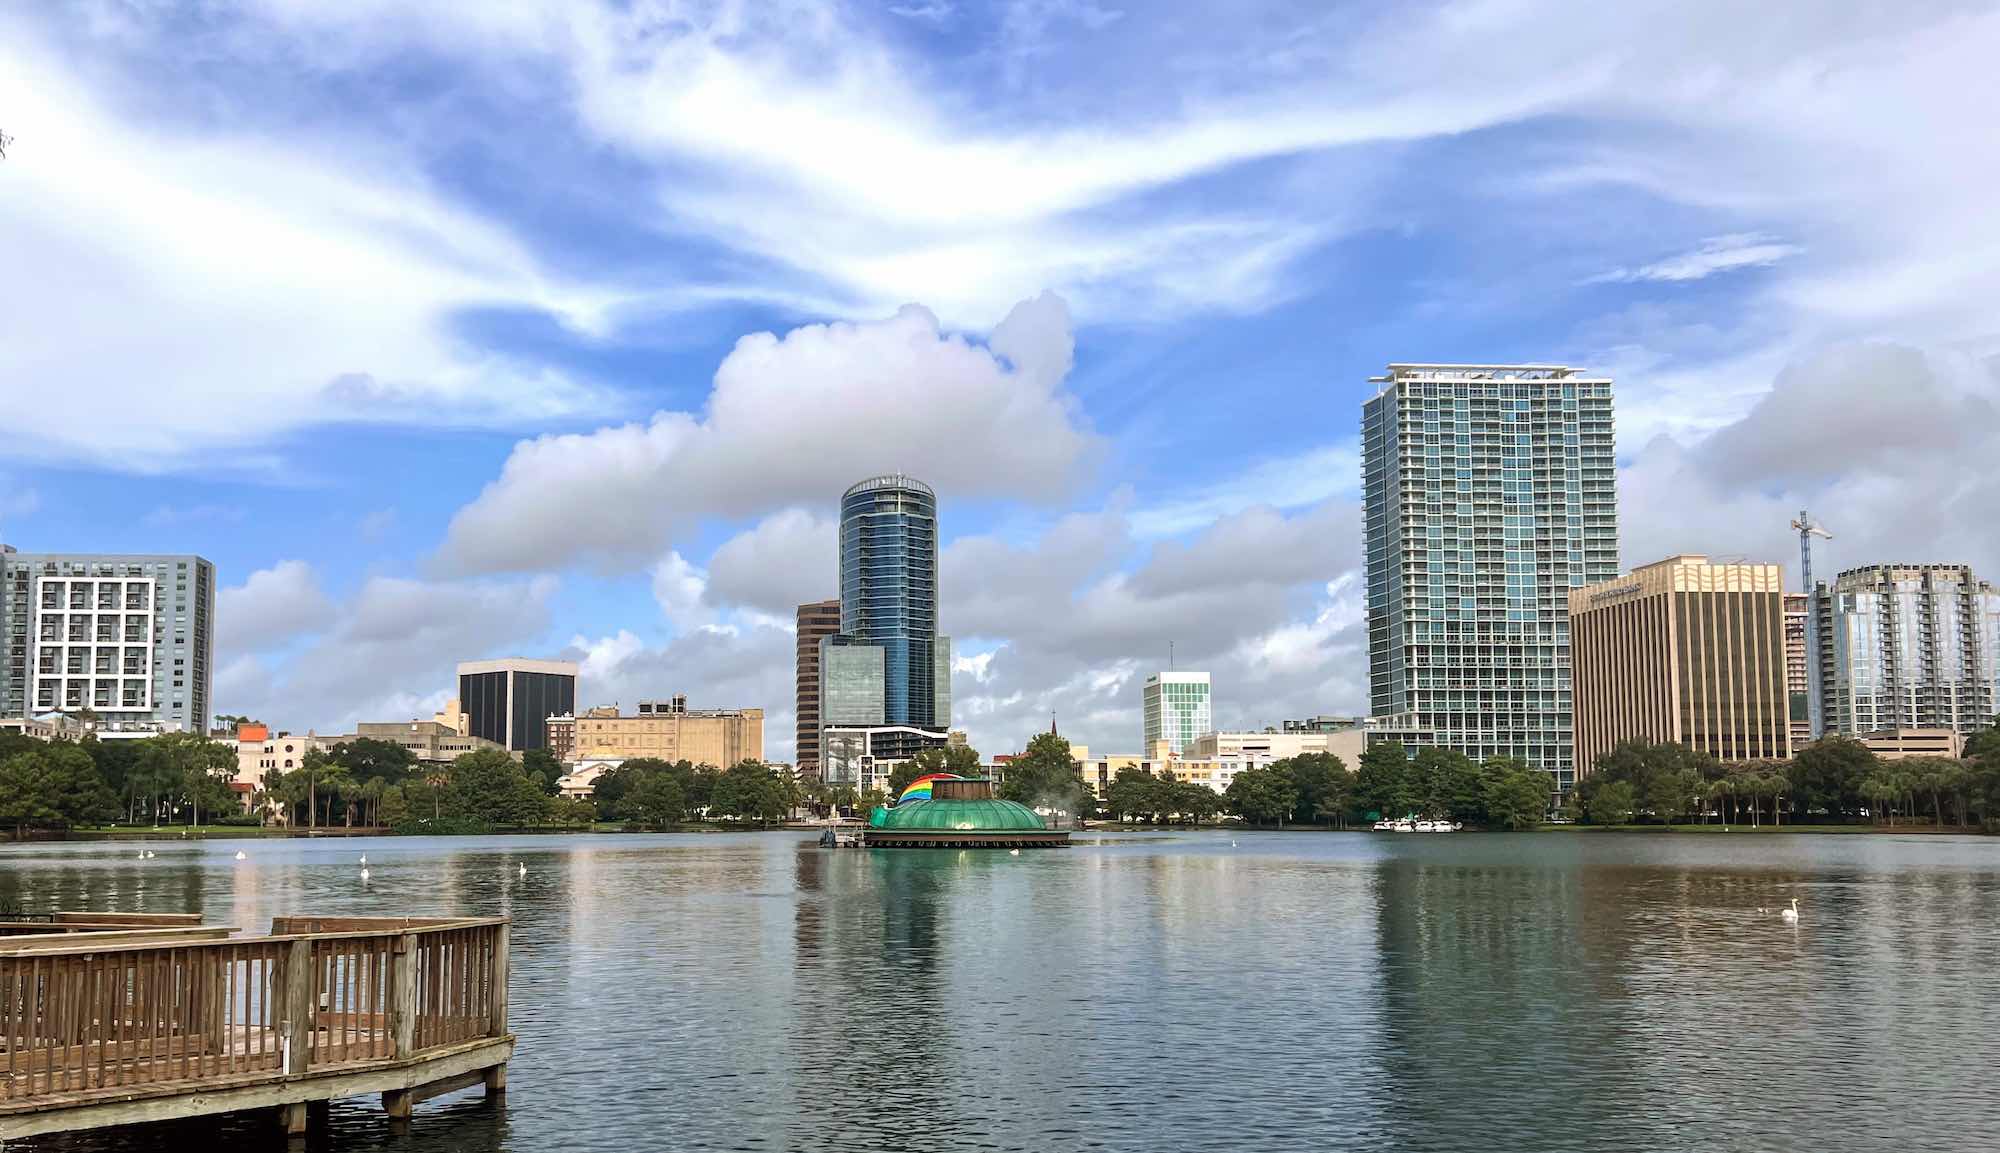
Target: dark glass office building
[
  {"x": 510, "y": 701},
  {"x": 888, "y": 595}
]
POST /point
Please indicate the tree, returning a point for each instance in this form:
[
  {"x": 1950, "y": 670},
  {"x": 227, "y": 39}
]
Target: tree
[
  {"x": 1381, "y": 784},
  {"x": 487, "y": 787},
  {"x": 542, "y": 767},
  {"x": 1262, "y": 796},
  {"x": 1442, "y": 780},
  {"x": 961, "y": 760},
  {"x": 1514, "y": 796},
  {"x": 52, "y": 785},
  {"x": 27, "y": 793},
  {"x": 1044, "y": 777},
  {"x": 1827, "y": 774},
  {"x": 1611, "y": 803},
  {"x": 1134, "y": 792},
  {"x": 658, "y": 801},
  {"x": 1325, "y": 787},
  {"x": 1196, "y": 801},
  {"x": 752, "y": 791}
]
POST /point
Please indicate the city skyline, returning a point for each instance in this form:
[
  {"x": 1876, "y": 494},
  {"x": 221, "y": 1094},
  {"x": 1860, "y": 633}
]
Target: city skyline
[{"x": 423, "y": 399}]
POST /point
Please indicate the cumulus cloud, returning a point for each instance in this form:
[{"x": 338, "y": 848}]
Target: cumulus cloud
[
  {"x": 791, "y": 419},
  {"x": 1268, "y": 603},
  {"x": 272, "y": 606},
  {"x": 387, "y": 653},
  {"x": 786, "y": 560},
  {"x": 1893, "y": 449}
]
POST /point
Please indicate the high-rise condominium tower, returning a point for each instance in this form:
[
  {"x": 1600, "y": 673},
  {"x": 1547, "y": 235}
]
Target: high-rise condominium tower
[
  {"x": 1489, "y": 492},
  {"x": 888, "y": 594},
  {"x": 885, "y": 678},
  {"x": 1908, "y": 647},
  {"x": 128, "y": 638}
]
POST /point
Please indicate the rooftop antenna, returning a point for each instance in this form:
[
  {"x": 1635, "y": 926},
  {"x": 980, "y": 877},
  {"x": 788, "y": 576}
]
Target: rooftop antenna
[
  {"x": 1808, "y": 528},
  {"x": 1170, "y": 656}
]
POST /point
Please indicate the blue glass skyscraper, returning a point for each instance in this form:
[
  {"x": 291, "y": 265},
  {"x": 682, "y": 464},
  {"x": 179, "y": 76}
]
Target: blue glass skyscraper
[{"x": 889, "y": 595}]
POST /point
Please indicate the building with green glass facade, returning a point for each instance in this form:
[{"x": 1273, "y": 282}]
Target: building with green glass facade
[
  {"x": 1176, "y": 710},
  {"x": 1489, "y": 491}
]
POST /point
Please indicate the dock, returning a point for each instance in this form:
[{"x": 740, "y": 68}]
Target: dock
[{"x": 119, "y": 1019}]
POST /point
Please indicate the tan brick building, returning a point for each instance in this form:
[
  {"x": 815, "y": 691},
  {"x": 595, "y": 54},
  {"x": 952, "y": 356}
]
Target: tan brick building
[
  {"x": 669, "y": 731},
  {"x": 1682, "y": 650}
]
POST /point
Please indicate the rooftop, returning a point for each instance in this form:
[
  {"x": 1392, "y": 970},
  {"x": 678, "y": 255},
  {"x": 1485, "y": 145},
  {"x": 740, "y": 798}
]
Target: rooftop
[{"x": 891, "y": 480}]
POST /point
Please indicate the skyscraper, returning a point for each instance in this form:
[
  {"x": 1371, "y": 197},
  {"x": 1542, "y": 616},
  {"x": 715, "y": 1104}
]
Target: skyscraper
[
  {"x": 1177, "y": 710},
  {"x": 1908, "y": 647},
  {"x": 815, "y": 620},
  {"x": 509, "y": 701},
  {"x": 1685, "y": 651},
  {"x": 129, "y": 638},
  {"x": 888, "y": 594},
  {"x": 887, "y": 670},
  {"x": 1489, "y": 492}
]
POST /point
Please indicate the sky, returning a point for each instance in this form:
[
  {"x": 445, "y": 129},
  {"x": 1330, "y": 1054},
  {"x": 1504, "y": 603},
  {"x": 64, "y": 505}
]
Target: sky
[{"x": 475, "y": 328}]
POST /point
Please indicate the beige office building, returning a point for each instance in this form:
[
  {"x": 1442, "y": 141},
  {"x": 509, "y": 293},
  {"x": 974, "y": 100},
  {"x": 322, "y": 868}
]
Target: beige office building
[
  {"x": 1682, "y": 650},
  {"x": 670, "y": 731}
]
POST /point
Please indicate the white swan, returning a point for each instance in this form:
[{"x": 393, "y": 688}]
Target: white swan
[
  {"x": 364, "y": 874},
  {"x": 241, "y": 855},
  {"x": 1013, "y": 852},
  {"x": 364, "y": 860},
  {"x": 524, "y": 872},
  {"x": 150, "y": 854},
  {"x": 1790, "y": 916},
  {"x": 142, "y": 854}
]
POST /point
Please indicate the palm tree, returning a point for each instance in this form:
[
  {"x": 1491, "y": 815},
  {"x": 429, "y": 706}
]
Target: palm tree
[{"x": 1723, "y": 791}]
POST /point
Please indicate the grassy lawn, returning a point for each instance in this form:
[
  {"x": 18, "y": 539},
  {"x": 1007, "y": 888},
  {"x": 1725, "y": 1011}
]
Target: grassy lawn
[{"x": 173, "y": 832}]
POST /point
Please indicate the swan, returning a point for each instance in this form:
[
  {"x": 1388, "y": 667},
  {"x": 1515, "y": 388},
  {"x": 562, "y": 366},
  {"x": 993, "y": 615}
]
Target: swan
[
  {"x": 142, "y": 854},
  {"x": 1790, "y": 916},
  {"x": 150, "y": 854},
  {"x": 1013, "y": 852},
  {"x": 241, "y": 855},
  {"x": 364, "y": 860},
  {"x": 364, "y": 874},
  {"x": 524, "y": 872}
]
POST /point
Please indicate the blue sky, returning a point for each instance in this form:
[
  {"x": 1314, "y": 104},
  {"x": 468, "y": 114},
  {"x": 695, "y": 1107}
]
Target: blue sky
[{"x": 459, "y": 329}]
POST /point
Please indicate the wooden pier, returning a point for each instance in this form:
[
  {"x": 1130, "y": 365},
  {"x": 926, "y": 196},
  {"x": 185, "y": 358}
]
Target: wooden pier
[{"x": 116, "y": 1019}]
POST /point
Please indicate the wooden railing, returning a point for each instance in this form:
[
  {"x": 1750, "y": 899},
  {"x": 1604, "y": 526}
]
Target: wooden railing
[{"x": 113, "y": 1010}]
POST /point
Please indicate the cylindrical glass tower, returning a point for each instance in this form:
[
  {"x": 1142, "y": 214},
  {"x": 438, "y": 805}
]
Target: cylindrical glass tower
[{"x": 888, "y": 591}]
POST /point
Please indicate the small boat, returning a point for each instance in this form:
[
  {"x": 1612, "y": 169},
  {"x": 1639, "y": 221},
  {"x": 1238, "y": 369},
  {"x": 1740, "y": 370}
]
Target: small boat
[
  {"x": 1406, "y": 825},
  {"x": 1385, "y": 826}
]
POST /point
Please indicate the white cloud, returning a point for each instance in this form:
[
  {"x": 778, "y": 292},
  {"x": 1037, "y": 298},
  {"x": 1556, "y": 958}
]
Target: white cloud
[
  {"x": 791, "y": 420},
  {"x": 297, "y": 282},
  {"x": 1716, "y": 254},
  {"x": 388, "y": 653},
  {"x": 788, "y": 559},
  {"x": 270, "y": 607},
  {"x": 678, "y": 587},
  {"x": 1892, "y": 449}
]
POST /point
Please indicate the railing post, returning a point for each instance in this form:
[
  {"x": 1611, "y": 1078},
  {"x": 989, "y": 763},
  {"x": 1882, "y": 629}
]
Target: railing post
[
  {"x": 496, "y": 1025},
  {"x": 403, "y": 994},
  {"x": 297, "y": 1023}
]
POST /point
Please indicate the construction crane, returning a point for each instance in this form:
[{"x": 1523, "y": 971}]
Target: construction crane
[{"x": 1808, "y": 528}]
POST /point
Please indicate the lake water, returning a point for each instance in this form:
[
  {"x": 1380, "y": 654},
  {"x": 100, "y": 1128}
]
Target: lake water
[{"x": 1278, "y": 991}]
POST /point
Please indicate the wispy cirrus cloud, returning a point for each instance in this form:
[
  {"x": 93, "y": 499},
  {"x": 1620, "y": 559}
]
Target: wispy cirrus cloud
[{"x": 1715, "y": 255}]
